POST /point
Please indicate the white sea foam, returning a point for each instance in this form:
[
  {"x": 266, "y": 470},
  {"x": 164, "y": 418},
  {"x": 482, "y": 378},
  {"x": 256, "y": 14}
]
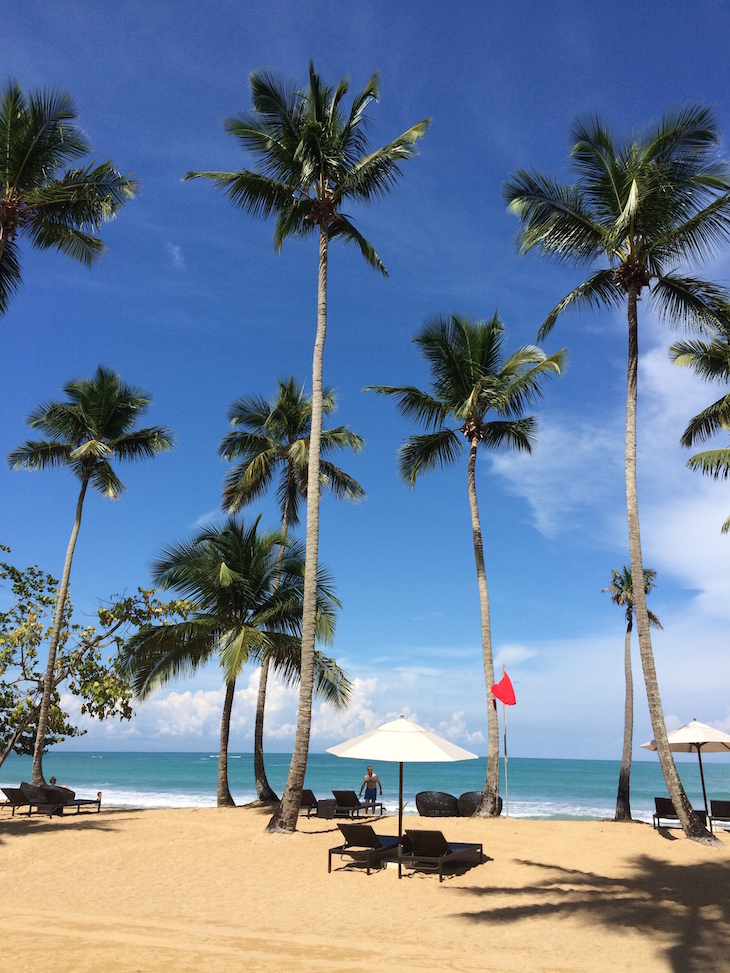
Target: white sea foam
[{"x": 118, "y": 797}]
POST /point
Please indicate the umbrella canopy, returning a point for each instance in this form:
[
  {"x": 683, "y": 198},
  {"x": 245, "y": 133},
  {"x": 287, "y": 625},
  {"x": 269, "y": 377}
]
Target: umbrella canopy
[
  {"x": 401, "y": 741},
  {"x": 699, "y": 737}
]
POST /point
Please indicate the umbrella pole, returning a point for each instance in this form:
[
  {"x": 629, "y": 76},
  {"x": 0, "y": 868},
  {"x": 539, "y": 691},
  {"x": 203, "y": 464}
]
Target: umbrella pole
[
  {"x": 702, "y": 778},
  {"x": 400, "y": 805}
]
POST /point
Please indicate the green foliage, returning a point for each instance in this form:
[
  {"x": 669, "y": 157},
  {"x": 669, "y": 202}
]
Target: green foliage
[
  {"x": 86, "y": 661},
  {"x": 43, "y": 196},
  {"x": 270, "y": 439},
  {"x": 645, "y": 205},
  {"x": 621, "y": 591},
  {"x": 313, "y": 157},
  {"x": 475, "y": 386}
]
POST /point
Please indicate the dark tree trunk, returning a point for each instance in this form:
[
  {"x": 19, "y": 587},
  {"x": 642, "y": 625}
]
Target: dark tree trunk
[
  {"x": 224, "y": 795},
  {"x": 623, "y": 803}
]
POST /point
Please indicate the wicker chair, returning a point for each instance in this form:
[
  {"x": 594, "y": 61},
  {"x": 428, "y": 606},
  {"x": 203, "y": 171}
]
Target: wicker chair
[
  {"x": 469, "y": 802},
  {"x": 437, "y": 804}
]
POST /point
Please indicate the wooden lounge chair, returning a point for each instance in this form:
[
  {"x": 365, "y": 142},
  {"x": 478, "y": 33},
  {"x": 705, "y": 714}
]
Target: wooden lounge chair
[
  {"x": 348, "y": 804},
  {"x": 665, "y": 811},
  {"x": 364, "y": 846},
  {"x": 37, "y": 799},
  {"x": 63, "y": 797},
  {"x": 430, "y": 851},
  {"x": 720, "y": 813},
  {"x": 15, "y": 799},
  {"x": 309, "y": 802}
]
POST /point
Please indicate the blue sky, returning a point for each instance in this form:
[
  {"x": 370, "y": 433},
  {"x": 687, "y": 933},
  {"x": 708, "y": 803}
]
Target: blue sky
[{"x": 192, "y": 303}]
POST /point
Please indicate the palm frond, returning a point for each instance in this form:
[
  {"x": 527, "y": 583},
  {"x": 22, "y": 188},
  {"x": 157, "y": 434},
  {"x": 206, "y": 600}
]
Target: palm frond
[
  {"x": 713, "y": 462},
  {"x": 412, "y": 403},
  {"x": 10, "y": 275},
  {"x": 419, "y": 454},
  {"x": 598, "y": 291},
  {"x": 344, "y": 229},
  {"x": 708, "y": 422},
  {"x": 690, "y": 302}
]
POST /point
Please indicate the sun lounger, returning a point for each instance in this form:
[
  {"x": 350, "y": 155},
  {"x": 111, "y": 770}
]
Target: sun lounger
[
  {"x": 348, "y": 804},
  {"x": 720, "y": 813},
  {"x": 308, "y": 803},
  {"x": 665, "y": 811},
  {"x": 15, "y": 799},
  {"x": 364, "y": 846},
  {"x": 430, "y": 851},
  {"x": 64, "y": 797},
  {"x": 38, "y": 800}
]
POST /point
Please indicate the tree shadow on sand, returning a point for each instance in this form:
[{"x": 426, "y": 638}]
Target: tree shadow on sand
[{"x": 686, "y": 907}]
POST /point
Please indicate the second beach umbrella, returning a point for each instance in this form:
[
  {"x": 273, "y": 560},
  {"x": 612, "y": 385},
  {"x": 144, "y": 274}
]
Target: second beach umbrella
[
  {"x": 699, "y": 737},
  {"x": 401, "y": 741}
]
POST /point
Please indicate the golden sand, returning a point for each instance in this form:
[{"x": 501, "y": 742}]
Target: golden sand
[{"x": 208, "y": 890}]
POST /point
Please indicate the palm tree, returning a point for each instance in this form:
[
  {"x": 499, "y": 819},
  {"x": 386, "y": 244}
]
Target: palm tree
[
  {"x": 313, "y": 158},
  {"x": 53, "y": 206},
  {"x": 270, "y": 439},
  {"x": 711, "y": 361},
  {"x": 246, "y": 602},
  {"x": 622, "y": 593},
  {"x": 471, "y": 382},
  {"x": 644, "y": 206},
  {"x": 94, "y": 426}
]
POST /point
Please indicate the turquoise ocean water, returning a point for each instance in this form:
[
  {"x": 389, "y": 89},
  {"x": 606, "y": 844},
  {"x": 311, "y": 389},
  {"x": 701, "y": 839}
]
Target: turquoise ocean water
[{"x": 558, "y": 789}]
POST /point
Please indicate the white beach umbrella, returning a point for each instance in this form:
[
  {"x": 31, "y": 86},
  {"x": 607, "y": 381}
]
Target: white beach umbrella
[
  {"x": 699, "y": 737},
  {"x": 401, "y": 742}
]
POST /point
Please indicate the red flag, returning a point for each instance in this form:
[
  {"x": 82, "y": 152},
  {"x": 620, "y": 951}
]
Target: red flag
[{"x": 504, "y": 692}]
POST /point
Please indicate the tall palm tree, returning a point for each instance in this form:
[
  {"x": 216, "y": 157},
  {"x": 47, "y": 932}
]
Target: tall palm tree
[
  {"x": 485, "y": 394},
  {"x": 85, "y": 433},
  {"x": 270, "y": 440},
  {"x": 313, "y": 159},
  {"x": 622, "y": 593},
  {"x": 246, "y": 602},
  {"x": 711, "y": 361},
  {"x": 641, "y": 208},
  {"x": 55, "y": 207}
]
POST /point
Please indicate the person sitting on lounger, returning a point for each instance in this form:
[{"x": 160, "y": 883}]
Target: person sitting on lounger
[{"x": 370, "y": 782}]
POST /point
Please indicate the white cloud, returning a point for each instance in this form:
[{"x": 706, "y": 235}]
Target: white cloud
[{"x": 176, "y": 254}]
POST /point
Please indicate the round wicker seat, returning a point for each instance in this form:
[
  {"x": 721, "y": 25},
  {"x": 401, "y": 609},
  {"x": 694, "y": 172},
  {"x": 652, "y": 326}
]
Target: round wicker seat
[
  {"x": 469, "y": 802},
  {"x": 437, "y": 804}
]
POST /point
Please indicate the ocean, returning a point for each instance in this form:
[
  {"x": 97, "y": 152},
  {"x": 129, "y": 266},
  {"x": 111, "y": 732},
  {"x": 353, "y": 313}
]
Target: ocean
[{"x": 546, "y": 789}]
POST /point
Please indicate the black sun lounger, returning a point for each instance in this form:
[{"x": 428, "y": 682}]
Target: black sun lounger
[
  {"x": 349, "y": 804},
  {"x": 364, "y": 846},
  {"x": 720, "y": 813},
  {"x": 430, "y": 851},
  {"x": 63, "y": 797},
  {"x": 309, "y": 802},
  {"x": 665, "y": 811},
  {"x": 15, "y": 799}
]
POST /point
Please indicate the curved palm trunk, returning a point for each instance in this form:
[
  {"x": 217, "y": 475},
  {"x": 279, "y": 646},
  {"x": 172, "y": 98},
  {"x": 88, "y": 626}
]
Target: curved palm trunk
[
  {"x": 224, "y": 795},
  {"x": 691, "y": 824},
  {"x": 285, "y": 816},
  {"x": 48, "y": 680},
  {"x": 489, "y": 802},
  {"x": 264, "y": 791},
  {"x": 623, "y": 804}
]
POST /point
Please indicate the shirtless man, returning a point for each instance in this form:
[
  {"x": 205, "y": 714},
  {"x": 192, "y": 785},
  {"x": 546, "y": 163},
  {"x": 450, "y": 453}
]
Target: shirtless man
[{"x": 370, "y": 782}]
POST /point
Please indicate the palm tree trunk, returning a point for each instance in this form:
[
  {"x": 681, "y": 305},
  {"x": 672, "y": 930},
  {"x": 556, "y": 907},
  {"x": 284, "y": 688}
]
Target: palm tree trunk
[
  {"x": 623, "y": 803},
  {"x": 489, "y": 802},
  {"x": 691, "y": 824},
  {"x": 224, "y": 795},
  {"x": 263, "y": 789},
  {"x": 285, "y": 816},
  {"x": 48, "y": 680}
]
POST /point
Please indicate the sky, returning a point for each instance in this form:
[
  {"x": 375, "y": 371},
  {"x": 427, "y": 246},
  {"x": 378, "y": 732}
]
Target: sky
[{"x": 192, "y": 303}]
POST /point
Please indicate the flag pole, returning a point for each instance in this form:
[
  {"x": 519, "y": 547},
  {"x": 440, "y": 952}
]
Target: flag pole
[{"x": 506, "y": 784}]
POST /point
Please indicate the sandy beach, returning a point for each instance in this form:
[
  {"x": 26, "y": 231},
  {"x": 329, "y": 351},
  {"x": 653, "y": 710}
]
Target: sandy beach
[{"x": 205, "y": 889}]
